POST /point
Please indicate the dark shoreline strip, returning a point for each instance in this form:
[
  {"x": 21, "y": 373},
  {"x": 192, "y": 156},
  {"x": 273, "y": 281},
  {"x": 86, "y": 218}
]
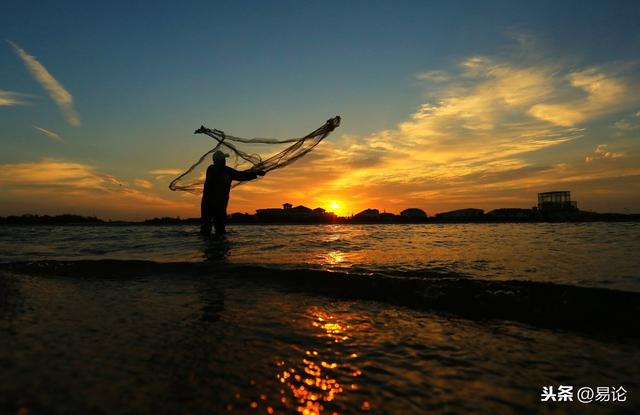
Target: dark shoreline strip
[{"x": 585, "y": 309}]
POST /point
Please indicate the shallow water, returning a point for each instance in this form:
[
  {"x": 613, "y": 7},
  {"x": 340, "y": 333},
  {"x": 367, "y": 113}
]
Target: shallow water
[
  {"x": 586, "y": 254},
  {"x": 180, "y": 343},
  {"x": 194, "y": 328}
]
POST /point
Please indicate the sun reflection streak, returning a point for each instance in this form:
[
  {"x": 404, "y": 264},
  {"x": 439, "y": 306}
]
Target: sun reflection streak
[
  {"x": 335, "y": 258},
  {"x": 313, "y": 385}
]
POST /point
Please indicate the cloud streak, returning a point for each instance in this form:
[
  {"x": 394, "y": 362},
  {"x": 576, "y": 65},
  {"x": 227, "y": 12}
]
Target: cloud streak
[
  {"x": 161, "y": 174},
  {"x": 50, "y": 134},
  {"x": 9, "y": 98},
  {"x": 57, "y": 92},
  {"x": 434, "y": 76}
]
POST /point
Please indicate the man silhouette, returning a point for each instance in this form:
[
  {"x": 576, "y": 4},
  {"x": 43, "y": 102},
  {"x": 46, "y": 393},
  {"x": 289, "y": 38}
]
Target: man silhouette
[{"x": 215, "y": 197}]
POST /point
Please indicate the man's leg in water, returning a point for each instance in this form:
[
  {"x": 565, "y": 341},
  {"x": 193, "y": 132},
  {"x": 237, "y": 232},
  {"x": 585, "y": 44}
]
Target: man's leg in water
[
  {"x": 220, "y": 220},
  {"x": 205, "y": 225},
  {"x": 205, "y": 218}
]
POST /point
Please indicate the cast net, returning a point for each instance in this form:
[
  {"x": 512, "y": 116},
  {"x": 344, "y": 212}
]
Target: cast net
[{"x": 192, "y": 180}]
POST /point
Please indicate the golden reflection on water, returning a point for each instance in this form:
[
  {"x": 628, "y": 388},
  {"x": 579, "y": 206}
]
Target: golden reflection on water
[
  {"x": 318, "y": 381},
  {"x": 334, "y": 258},
  {"x": 313, "y": 382}
]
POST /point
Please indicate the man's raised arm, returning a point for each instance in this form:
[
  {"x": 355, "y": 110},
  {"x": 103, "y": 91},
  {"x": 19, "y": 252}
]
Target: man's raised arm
[{"x": 243, "y": 176}]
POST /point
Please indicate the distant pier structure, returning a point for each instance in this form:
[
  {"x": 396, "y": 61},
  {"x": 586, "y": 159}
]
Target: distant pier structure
[{"x": 558, "y": 201}]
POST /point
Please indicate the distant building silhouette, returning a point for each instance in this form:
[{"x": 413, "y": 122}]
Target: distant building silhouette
[
  {"x": 238, "y": 215},
  {"x": 300, "y": 213},
  {"x": 413, "y": 213},
  {"x": 368, "y": 214},
  {"x": 270, "y": 213},
  {"x": 510, "y": 213},
  {"x": 470, "y": 213},
  {"x": 558, "y": 201},
  {"x": 301, "y": 209},
  {"x": 387, "y": 217}
]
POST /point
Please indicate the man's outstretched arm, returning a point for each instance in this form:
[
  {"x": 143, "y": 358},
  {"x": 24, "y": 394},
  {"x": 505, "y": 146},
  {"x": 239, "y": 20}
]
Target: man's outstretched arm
[{"x": 243, "y": 176}]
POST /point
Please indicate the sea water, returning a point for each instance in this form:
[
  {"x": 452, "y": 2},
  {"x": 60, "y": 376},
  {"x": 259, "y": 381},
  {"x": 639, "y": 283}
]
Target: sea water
[{"x": 586, "y": 254}]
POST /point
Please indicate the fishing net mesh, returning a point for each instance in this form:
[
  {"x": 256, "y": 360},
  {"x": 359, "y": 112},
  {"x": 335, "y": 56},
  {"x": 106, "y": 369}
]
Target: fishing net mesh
[{"x": 192, "y": 180}]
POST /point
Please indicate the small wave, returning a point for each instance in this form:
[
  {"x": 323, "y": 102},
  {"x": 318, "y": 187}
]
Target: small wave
[{"x": 547, "y": 304}]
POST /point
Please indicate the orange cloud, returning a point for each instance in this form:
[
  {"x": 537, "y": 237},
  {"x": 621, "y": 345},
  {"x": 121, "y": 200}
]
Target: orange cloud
[
  {"x": 604, "y": 94},
  {"x": 145, "y": 184},
  {"x": 161, "y": 174},
  {"x": 60, "y": 186},
  {"x": 490, "y": 135}
]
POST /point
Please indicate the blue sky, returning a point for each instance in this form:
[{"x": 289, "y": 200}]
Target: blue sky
[{"x": 143, "y": 77}]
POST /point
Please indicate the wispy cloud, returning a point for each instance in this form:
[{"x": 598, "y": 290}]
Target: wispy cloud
[
  {"x": 57, "y": 92},
  {"x": 628, "y": 123},
  {"x": 56, "y": 173},
  {"x": 66, "y": 186},
  {"x": 434, "y": 76},
  {"x": 601, "y": 152},
  {"x": 50, "y": 134},
  {"x": 9, "y": 98},
  {"x": 142, "y": 183},
  {"x": 161, "y": 174},
  {"x": 603, "y": 93}
]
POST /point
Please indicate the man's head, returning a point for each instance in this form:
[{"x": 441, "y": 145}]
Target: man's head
[{"x": 219, "y": 157}]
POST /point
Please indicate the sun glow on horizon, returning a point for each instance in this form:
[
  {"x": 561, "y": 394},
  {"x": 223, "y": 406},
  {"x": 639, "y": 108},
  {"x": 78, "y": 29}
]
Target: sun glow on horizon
[{"x": 336, "y": 207}]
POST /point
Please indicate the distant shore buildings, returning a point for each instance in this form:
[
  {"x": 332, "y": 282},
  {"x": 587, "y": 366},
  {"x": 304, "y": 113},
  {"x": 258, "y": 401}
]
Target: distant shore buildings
[
  {"x": 304, "y": 214},
  {"x": 555, "y": 206},
  {"x": 290, "y": 213},
  {"x": 551, "y": 205}
]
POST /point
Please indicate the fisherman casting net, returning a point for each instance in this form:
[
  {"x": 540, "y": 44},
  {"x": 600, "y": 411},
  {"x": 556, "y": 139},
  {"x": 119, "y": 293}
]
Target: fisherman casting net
[{"x": 192, "y": 180}]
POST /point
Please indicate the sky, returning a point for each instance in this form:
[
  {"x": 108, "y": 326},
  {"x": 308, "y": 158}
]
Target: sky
[{"x": 445, "y": 105}]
